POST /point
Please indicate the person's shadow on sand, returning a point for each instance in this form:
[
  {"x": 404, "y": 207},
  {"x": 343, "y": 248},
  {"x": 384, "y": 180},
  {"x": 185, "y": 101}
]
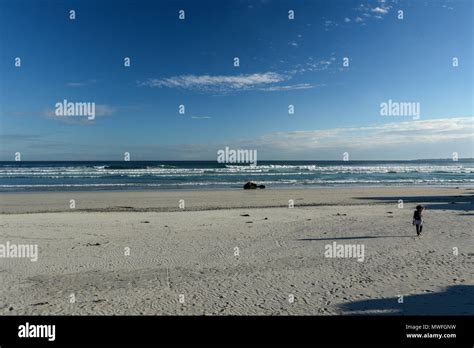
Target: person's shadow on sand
[
  {"x": 359, "y": 237},
  {"x": 455, "y": 300},
  {"x": 463, "y": 202}
]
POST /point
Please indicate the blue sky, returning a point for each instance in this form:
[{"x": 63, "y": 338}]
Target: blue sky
[{"x": 190, "y": 62}]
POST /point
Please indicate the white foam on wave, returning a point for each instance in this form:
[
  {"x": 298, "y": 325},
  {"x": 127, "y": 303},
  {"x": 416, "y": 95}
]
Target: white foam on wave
[{"x": 237, "y": 169}]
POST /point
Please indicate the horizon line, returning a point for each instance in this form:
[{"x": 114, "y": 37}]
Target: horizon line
[{"x": 264, "y": 160}]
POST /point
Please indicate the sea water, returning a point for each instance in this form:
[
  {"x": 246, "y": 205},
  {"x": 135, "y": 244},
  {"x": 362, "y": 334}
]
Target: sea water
[{"x": 157, "y": 175}]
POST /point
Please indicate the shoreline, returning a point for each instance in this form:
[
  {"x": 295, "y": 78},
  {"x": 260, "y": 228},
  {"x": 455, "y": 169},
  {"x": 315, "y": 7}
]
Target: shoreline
[{"x": 269, "y": 188}]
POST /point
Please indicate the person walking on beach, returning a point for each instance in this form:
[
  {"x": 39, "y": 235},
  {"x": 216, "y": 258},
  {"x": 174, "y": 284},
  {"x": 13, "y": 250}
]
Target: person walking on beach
[{"x": 418, "y": 219}]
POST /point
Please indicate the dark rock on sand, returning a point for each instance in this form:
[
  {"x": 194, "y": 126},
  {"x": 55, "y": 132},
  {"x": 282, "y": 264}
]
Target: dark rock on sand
[
  {"x": 40, "y": 304},
  {"x": 252, "y": 186},
  {"x": 99, "y": 300}
]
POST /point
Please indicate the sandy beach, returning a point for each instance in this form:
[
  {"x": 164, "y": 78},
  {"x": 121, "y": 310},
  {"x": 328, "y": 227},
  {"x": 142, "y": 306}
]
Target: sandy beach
[{"x": 238, "y": 252}]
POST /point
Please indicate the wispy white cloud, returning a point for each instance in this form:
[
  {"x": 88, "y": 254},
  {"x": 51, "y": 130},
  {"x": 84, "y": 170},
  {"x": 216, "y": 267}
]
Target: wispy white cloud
[
  {"x": 400, "y": 139},
  {"x": 288, "y": 87},
  {"x": 403, "y": 139},
  {"x": 104, "y": 110},
  {"x": 312, "y": 65},
  {"x": 270, "y": 81},
  {"x": 370, "y": 10},
  {"x": 381, "y": 10},
  {"x": 216, "y": 83},
  {"x": 328, "y": 24},
  {"x": 81, "y": 83},
  {"x": 75, "y": 84},
  {"x": 265, "y": 82},
  {"x": 404, "y": 133}
]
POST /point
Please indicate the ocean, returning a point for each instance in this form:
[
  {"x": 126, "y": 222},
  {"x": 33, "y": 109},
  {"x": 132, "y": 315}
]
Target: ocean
[{"x": 165, "y": 175}]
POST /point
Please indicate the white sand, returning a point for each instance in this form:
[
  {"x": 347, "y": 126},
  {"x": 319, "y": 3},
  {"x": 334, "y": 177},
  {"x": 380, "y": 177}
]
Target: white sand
[{"x": 281, "y": 253}]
